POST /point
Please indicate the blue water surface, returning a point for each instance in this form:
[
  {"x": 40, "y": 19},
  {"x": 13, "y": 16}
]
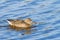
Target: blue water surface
[{"x": 47, "y": 11}]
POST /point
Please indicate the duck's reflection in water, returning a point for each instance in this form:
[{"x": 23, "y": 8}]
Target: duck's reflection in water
[{"x": 22, "y": 25}]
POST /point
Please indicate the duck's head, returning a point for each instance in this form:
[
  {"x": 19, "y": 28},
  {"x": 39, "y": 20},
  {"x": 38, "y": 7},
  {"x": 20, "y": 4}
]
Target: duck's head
[{"x": 28, "y": 21}]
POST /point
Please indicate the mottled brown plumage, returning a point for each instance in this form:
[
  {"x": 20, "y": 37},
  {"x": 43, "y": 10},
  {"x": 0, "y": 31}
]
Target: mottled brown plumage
[{"x": 21, "y": 24}]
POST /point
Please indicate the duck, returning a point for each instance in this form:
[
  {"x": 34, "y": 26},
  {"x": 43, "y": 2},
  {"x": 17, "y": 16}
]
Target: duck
[{"x": 25, "y": 24}]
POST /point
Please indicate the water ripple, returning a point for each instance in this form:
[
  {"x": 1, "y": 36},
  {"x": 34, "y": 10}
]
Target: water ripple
[{"x": 47, "y": 11}]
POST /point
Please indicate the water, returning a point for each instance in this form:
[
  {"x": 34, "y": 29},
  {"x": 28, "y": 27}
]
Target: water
[{"x": 47, "y": 11}]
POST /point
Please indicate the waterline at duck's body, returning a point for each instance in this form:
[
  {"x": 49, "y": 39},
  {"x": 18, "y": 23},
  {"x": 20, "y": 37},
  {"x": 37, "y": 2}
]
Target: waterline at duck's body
[{"x": 20, "y": 24}]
